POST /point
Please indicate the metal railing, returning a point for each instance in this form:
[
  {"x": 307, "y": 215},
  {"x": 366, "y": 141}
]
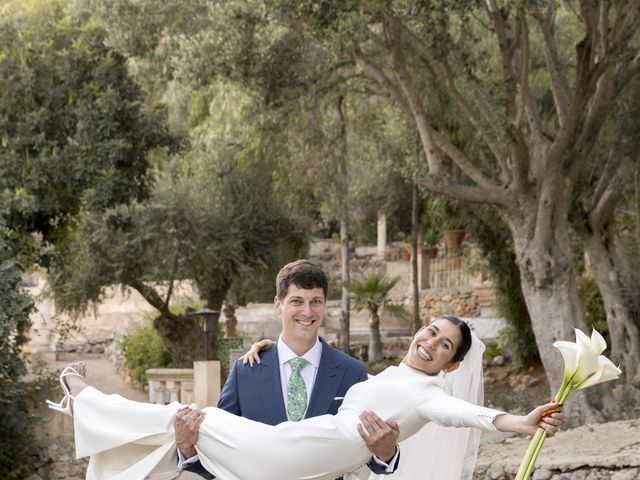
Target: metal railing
[{"x": 448, "y": 272}]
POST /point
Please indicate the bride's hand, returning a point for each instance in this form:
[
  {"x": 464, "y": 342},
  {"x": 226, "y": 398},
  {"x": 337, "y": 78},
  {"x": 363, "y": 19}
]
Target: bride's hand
[
  {"x": 548, "y": 417},
  {"x": 253, "y": 355}
]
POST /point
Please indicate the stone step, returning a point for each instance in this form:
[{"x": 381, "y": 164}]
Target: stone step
[{"x": 486, "y": 296}]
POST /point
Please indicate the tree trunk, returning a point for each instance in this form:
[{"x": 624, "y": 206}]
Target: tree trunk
[
  {"x": 342, "y": 189},
  {"x": 184, "y": 337},
  {"x": 604, "y": 249},
  {"x": 375, "y": 344},
  {"x": 417, "y": 322},
  {"x": 345, "y": 303},
  {"x": 551, "y": 295}
]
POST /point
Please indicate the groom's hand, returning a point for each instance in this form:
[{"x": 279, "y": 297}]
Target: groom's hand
[
  {"x": 379, "y": 436},
  {"x": 187, "y": 427}
]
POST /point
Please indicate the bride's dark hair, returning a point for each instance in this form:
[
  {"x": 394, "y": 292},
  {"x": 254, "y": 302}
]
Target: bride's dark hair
[{"x": 465, "y": 333}]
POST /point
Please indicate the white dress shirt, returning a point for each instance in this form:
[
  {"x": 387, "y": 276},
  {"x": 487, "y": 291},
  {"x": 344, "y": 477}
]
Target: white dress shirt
[{"x": 308, "y": 372}]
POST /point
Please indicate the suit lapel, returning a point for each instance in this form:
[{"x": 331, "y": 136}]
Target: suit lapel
[
  {"x": 328, "y": 380},
  {"x": 269, "y": 386}
]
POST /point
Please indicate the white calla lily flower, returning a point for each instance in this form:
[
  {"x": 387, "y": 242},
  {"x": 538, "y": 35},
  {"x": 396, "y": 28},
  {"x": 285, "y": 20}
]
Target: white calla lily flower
[
  {"x": 598, "y": 342},
  {"x": 587, "y": 360},
  {"x": 584, "y": 366},
  {"x": 571, "y": 354},
  {"x": 606, "y": 371}
]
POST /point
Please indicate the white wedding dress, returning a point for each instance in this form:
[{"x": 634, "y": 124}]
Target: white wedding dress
[
  {"x": 446, "y": 453},
  {"x": 130, "y": 440}
]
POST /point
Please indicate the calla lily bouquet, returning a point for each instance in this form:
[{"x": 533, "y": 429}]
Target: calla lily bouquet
[{"x": 584, "y": 366}]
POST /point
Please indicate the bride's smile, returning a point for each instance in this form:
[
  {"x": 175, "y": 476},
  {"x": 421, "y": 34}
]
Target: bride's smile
[{"x": 434, "y": 347}]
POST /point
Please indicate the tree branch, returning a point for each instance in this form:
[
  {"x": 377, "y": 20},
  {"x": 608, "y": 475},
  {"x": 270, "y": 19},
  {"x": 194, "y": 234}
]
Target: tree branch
[
  {"x": 559, "y": 83},
  {"x": 534, "y": 118},
  {"x": 484, "y": 132},
  {"x": 443, "y": 186},
  {"x": 378, "y": 75},
  {"x": 151, "y": 296},
  {"x": 506, "y": 47},
  {"x": 625, "y": 24},
  {"x": 524, "y": 66},
  {"x": 603, "y": 30},
  {"x": 394, "y": 29},
  {"x": 172, "y": 280},
  {"x": 427, "y": 132},
  {"x": 609, "y": 87},
  {"x": 477, "y": 97},
  {"x": 603, "y": 209},
  {"x": 462, "y": 161}
]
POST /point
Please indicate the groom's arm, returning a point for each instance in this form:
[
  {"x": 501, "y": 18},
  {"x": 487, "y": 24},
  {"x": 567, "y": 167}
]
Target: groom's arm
[
  {"x": 228, "y": 401},
  {"x": 186, "y": 426},
  {"x": 381, "y": 438}
]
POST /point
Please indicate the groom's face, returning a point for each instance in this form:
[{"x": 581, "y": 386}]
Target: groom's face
[
  {"x": 301, "y": 311},
  {"x": 434, "y": 346}
]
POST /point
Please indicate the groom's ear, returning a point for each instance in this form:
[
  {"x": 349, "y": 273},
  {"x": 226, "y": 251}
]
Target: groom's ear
[{"x": 451, "y": 368}]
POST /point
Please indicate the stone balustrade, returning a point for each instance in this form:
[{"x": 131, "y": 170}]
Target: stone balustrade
[{"x": 168, "y": 385}]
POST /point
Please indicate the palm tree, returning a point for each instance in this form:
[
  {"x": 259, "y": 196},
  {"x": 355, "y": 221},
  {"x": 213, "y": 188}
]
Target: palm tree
[{"x": 371, "y": 292}]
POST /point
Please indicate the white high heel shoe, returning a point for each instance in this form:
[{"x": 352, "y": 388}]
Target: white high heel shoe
[{"x": 64, "y": 405}]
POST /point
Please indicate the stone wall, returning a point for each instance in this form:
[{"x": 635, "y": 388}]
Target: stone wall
[{"x": 459, "y": 302}]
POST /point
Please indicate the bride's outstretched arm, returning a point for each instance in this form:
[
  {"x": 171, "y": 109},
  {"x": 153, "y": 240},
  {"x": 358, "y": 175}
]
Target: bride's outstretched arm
[
  {"x": 449, "y": 411},
  {"x": 547, "y": 416}
]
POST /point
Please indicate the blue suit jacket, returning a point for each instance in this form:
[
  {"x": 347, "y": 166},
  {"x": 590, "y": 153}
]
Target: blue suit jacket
[{"x": 256, "y": 392}]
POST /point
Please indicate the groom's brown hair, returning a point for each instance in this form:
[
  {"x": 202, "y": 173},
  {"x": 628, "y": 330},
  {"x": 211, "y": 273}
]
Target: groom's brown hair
[{"x": 302, "y": 274}]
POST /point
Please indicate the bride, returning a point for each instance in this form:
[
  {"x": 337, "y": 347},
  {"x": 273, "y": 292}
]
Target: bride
[{"x": 130, "y": 440}]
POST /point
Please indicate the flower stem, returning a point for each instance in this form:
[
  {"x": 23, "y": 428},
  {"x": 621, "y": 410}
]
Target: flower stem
[
  {"x": 528, "y": 462},
  {"x": 536, "y": 453}
]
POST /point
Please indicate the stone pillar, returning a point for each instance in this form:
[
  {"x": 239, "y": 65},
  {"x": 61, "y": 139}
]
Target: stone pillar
[
  {"x": 382, "y": 235},
  {"x": 206, "y": 383},
  {"x": 423, "y": 269}
]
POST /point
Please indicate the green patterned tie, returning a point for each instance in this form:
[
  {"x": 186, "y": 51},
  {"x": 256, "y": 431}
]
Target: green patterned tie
[{"x": 296, "y": 390}]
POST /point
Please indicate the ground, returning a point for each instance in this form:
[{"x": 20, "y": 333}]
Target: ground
[
  {"x": 592, "y": 452},
  {"x": 517, "y": 390}
]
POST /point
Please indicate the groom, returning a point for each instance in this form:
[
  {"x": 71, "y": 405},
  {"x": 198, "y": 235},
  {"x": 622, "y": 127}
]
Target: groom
[{"x": 275, "y": 390}]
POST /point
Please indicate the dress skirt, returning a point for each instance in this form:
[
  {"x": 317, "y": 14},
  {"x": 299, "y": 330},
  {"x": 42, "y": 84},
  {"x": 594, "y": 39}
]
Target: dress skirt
[{"x": 132, "y": 440}]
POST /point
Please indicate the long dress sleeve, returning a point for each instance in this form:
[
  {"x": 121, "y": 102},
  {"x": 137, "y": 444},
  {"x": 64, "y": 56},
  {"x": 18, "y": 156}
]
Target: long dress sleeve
[{"x": 437, "y": 406}]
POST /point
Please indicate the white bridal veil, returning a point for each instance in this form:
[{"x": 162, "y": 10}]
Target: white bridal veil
[{"x": 446, "y": 453}]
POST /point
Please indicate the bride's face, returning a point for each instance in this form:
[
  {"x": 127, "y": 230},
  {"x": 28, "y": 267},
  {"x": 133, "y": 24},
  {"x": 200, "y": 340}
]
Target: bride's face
[{"x": 434, "y": 346}]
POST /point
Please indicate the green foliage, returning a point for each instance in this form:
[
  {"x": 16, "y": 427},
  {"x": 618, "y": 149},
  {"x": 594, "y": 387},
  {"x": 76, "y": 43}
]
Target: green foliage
[
  {"x": 492, "y": 349},
  {"x": 371, "y": 293},
  {"x": 593, "y": 306},
  {"x": 214, "y": 216},
  {"x": 73, "y": 134},
  {"x": 143, "y": 349},
  {"x": 15, "y": 421},
  {"x": 439, "y": 213}
]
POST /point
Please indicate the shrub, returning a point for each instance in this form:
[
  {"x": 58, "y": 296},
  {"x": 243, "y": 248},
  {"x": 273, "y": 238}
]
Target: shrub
[
  {"x": 143, "y": 349},
  {"x": 15, "y": 420},
  {"x": 492, "y": 350}
]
